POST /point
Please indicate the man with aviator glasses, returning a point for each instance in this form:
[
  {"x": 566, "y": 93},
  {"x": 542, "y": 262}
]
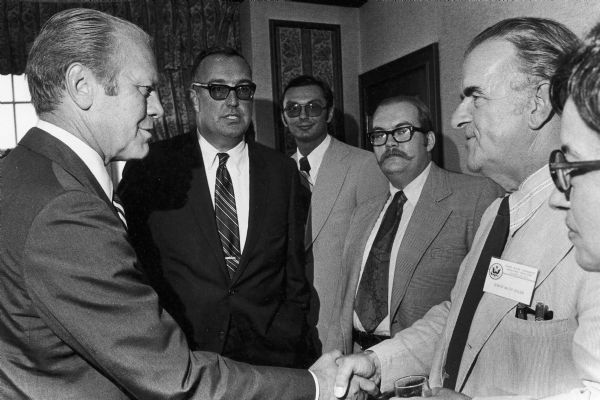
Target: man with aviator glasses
[{"x": 338, "y": 177}]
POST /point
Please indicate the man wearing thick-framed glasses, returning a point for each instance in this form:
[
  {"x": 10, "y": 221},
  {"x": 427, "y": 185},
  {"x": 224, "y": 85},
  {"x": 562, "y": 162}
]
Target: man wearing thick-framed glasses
[
  {"x": 215, "y": 220},
  {"x": 404, "y": 246},
  {"x": 338, "y": 177}
]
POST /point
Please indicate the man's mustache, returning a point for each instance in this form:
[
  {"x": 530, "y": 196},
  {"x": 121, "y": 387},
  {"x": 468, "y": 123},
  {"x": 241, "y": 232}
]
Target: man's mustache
[{"x": 395, "y": 153}]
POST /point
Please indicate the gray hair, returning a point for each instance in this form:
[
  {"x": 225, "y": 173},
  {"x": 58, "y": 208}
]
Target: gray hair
[
  {"x": 76, "y": 35},
  {"x": 540, "y": 43}
]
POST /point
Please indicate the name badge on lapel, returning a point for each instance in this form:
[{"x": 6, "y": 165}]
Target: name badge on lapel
[{"x": 510, "y": 280}]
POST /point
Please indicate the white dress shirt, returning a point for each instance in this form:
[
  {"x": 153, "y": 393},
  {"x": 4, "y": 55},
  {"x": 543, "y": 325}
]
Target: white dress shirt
[
  {"x": 238, "y": 166},
  {"x": 88, "y": 155},
  {"x": 412, "y": 191},
  {"x": 314, "y": 158}
]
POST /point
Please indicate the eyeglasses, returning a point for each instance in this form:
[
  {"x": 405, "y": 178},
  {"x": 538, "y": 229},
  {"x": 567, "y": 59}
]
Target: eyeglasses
[
  {"x": 401, "y": 134},
  {"x": 218, "y": 91},
  {"x": 293, "y": 110},
  {"x": 561, "y": 170}
]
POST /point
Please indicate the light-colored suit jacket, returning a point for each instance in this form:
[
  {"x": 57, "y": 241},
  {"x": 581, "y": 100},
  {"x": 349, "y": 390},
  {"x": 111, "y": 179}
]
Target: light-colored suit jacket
[
  {"x": 506, "y": 355},
  {"x": 348, "y": 177},
  {"x": 438, "y": 236}
]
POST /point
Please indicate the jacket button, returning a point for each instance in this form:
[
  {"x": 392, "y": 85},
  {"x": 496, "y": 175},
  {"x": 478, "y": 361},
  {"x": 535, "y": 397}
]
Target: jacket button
[
  {"x": 231, "y": 292},
  {"x": 221, "y": 335}
]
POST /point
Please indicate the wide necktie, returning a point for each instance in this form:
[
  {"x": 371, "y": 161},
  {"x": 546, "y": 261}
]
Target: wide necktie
[
  {"x": 371, "y": 303},
  {"x": 118, "y": 205},
  {"x": 493, "y": 247},
  {"x": 226, "y": 216},
  {"x": 305, "y": 172}
]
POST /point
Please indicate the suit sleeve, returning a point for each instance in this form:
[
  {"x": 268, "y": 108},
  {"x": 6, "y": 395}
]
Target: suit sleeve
[{"x": 78, "y": 268}]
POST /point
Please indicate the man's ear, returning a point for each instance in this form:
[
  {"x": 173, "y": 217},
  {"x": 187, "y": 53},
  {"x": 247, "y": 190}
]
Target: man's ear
[
  {"x": 430, "y": 137},
  {"x": 284, "y": 120},
  {"x": 330, "y": 114},
  {"x": 80, "y": 84},
  {"x": 541, "y": 108},
  {"x": 194, "y": 99}
]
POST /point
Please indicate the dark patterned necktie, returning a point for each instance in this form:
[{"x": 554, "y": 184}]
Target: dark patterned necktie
[
  {"x": 305, "y": 172},
  {"x": 371, "y": 303},
  {"x": 493, "y": 247},
  {"x": 118, "y": 205},
  {"x": 226, "y": 216}
]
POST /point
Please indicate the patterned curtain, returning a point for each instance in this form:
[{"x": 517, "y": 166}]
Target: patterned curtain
[{"x": 181, "y": 29}]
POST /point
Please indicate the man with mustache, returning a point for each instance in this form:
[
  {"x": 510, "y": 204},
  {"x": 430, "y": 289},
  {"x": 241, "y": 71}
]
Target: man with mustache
[
  {"x": 215, "y": 222},
  {"x": 404, "y": 247}
]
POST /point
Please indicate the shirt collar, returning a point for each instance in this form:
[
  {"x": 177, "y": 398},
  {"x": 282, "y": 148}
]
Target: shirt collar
[
  {"x": 413, "y": 190},
  {"x": 88, "y": 155},
  {"x": 211, "y": 160},
  {"x": 315, "y": 157},
  {"x": 531, "y": 195}
]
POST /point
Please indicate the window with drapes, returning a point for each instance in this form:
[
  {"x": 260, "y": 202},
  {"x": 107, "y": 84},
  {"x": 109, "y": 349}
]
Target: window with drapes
[{"x": 181, "y": 29}]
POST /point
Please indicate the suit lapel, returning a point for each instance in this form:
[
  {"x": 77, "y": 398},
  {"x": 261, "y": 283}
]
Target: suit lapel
[
  {"x": 363, "y": 222},
  {"x": 202, "y": 209},
  {"x": 332, "y": 174},
  {"x": 258, "y": 197},
  {"x": 427, "y": 220},
  {"x": 492, "y": 309},
  {"x": 43, "y": 143}
]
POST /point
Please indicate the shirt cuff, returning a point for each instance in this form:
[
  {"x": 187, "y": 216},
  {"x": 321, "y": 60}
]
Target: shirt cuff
[{"x": 316, "y": 384}]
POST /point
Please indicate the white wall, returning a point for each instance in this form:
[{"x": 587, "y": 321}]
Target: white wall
[
  {"x": 408, "y": 26},
  {"x": 254, "y": 33}
]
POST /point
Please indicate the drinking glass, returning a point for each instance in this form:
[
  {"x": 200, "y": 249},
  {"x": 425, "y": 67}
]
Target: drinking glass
[{"x": 412, "y": 386}]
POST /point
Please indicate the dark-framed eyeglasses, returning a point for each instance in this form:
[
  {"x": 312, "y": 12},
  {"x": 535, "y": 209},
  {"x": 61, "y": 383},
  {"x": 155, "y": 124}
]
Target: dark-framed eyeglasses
[
  {"x": 562, "y": 170},
  {"x": 402, "y": 134},
  {"x": 219, "y": 91},
  {"x": 293, "y": 110}
]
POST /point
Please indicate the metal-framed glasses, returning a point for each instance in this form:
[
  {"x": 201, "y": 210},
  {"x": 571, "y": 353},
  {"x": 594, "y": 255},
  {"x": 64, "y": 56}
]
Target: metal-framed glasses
[
  {"x": 293, "y": 110},
  {"x": 402, "y": 134},
  {"x": 219, "y": 91},
  {"x": 562, "y": 170}
]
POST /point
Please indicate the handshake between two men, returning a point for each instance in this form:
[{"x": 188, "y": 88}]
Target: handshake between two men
[
  {"x": 356, "y": 375},
  {"x": 347, "y": 377}
]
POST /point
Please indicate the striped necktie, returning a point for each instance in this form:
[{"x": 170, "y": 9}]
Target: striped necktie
[
  {"x": 305, "y": 173},
  {"x": 119, "y": 207},
  {"x": 226, "y": 216}
]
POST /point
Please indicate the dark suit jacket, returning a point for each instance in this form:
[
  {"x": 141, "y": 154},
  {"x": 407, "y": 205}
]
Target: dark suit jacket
[
  {"x": 76, "y": 319},
  {"x": 259, "y": 316}
]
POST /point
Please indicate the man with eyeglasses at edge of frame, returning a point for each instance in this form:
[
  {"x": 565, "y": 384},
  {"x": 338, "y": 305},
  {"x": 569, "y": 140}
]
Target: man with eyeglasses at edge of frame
[
  {"x": 575, "y": 167},
  {"x": 215, "y": 222},
  {"x": 338, "y": 177},
  {"x": 401, "y": 263}
]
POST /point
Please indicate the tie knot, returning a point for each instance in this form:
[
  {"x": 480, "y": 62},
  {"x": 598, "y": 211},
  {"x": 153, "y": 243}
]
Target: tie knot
[
  {"x": 223, "y": 157},
  {"x": 399, "y": 198},
  {"x": 304, "y": 165},
  {"x": 504, "y": 210}
]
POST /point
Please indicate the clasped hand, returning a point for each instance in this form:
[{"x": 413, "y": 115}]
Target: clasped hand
[{"x": 347, "y": 377}]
